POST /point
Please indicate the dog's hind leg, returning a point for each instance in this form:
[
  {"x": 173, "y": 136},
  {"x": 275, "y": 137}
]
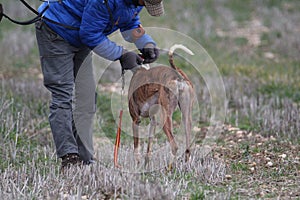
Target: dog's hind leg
[
  {"x": 187, "y": 121},
  {"x": 150, "y": 139},
  {"x": 186, "y": 104},
  {"x": 168, "y": 130}
]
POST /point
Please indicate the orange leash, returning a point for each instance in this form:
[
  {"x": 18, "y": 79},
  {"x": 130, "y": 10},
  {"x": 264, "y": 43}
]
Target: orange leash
[
  {"x": 117, "y": 143},
  {"x": 118, "y": 136}
]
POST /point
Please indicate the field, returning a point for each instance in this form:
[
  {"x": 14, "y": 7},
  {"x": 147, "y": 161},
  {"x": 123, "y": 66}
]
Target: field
[{"x": 253, "y": 154}]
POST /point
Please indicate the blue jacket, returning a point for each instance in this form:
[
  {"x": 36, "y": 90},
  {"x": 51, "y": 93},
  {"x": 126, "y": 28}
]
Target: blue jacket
[{"x": 92, "y": 18}]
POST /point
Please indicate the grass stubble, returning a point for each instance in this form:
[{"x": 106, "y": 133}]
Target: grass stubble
[{"x": 256, "y": 154}]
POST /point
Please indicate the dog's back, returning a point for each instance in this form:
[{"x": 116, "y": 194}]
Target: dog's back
[{"x": 145, "y": 88}]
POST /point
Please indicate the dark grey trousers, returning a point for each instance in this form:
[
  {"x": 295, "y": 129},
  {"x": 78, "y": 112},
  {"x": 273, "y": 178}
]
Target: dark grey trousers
[{"x": 68, "y": 75}]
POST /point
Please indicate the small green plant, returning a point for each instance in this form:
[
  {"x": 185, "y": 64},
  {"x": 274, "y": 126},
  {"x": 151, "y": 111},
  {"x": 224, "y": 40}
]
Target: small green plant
[
  {"x": 198, "y": 195},
  {"x": 239, "y": 166}
]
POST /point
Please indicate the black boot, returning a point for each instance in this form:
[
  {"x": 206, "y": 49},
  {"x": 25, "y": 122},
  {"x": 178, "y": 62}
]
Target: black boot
[{"x": 68, "y": 160}]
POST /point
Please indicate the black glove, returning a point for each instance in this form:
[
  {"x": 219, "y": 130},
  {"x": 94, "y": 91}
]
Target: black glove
[
  {"x": 130, "y": 60},
  {"x": 150, "y": 54}
]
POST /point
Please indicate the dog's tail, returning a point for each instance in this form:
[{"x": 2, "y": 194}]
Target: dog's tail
[{"x": 171, "y": 59}]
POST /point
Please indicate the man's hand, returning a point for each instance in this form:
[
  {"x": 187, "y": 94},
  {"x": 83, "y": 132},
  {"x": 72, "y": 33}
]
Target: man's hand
[
  {"x": 150, "y": 53},
  {"x": 130, "y": 60}
]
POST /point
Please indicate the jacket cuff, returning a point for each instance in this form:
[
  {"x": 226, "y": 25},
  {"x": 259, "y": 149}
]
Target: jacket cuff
[
  {"x": 108, "y": 50},
  {"x": 142, "y": 41}
]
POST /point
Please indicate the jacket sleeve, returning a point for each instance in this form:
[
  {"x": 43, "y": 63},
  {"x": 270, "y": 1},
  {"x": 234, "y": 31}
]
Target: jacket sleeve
[
  {"x": 95, "y": 20},
  {"x": 128, "y": 36}
]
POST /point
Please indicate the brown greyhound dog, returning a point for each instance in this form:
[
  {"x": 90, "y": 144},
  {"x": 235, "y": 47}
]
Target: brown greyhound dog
[{"x": 163, "y": 88}]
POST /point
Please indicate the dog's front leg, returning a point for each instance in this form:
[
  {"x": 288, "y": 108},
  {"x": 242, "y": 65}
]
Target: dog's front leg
[{"x": 136, "y": 145}]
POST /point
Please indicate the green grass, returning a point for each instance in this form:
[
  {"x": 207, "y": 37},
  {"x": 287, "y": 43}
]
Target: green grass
[
  {"x": 197, "y": 195},
  {"x": 244, "y": 9},
  {"x": 281, "y": 90},
  {"x": 273, "y": 79},
  {"x": 239, "y": 167}
]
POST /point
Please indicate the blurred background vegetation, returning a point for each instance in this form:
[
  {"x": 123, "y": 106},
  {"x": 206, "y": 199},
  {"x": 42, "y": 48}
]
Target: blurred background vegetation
[
  {"x": 252, "y": 38},
  {"x": 249, "y": 31}
]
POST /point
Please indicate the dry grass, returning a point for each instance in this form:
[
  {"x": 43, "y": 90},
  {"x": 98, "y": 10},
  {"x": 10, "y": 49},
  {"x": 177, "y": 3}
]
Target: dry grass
[
  {"x": 38, "y": 177},
  {"x": 248, "y": 158}
]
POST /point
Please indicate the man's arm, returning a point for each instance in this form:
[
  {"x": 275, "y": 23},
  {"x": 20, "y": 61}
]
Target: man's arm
[
  {"x": 135, "y": 33},
  {"x": 95, "y": 20}
]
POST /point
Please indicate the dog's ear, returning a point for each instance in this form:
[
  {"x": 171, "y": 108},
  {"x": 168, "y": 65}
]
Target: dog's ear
[{"x": 1, "y": 12}]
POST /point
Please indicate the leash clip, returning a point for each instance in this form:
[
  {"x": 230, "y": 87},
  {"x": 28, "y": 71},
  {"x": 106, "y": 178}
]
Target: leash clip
[{"x": 122, "y": 87}]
